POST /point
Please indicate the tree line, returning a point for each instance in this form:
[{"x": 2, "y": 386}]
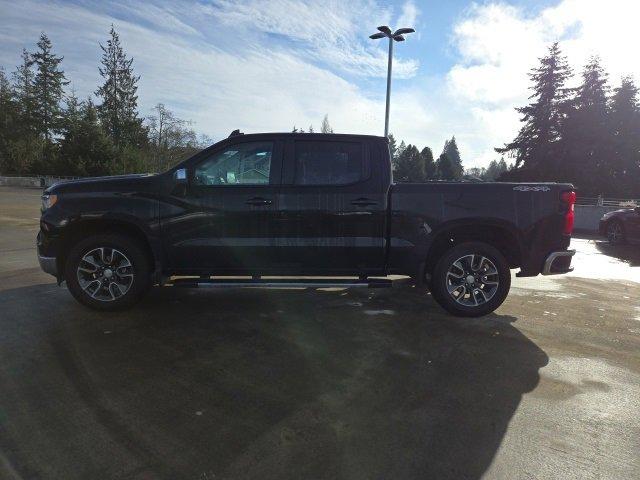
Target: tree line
[
  {"x": 412, "y": 165},
  {"x": 47, "y": 129},
  {"x": 588, "y": 135}
]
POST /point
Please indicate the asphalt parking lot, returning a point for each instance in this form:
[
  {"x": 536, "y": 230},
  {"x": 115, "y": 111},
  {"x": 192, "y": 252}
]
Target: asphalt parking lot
[{"x": 314, "y": 384}]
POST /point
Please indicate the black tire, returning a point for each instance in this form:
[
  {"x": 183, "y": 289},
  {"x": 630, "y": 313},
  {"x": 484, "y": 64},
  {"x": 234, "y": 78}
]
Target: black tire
[
  {"x": 496, "y": 294},
  {"x": 616, "y": 233},
  {"x": 135, "y": 254}
]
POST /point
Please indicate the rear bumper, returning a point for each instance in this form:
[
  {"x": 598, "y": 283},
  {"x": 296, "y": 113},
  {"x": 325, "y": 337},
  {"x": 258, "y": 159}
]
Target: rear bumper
[
  {"x": 48, "y": 265},
  {"x": 558, "y": 262}
]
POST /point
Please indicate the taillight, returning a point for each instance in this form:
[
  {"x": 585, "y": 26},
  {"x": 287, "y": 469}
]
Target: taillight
[{"x": 569, "y": 200}]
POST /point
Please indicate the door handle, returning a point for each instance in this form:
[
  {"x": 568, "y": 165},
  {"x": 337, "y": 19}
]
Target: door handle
[
  {"x": 258, "y": 201},
  {"x": 363, "y": 202}
]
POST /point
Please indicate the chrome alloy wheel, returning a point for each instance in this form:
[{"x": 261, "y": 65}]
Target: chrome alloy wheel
[
  {"x": 614, "y": 232},
  {"x": 105, "y": 274},
  {"x": 472, "y": 280}
]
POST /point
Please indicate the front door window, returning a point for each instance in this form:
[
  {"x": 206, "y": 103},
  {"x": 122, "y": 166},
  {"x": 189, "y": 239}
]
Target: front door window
[{"x": 241, "y": 164}]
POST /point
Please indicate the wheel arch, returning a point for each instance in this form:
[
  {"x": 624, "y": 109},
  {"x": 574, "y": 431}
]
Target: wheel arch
[
  {"x": 82, "y": 228},
  {"x": 501, "y": 235}
]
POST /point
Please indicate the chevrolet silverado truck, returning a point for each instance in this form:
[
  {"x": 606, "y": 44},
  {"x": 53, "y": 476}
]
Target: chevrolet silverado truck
[{"x": 311, "y": 210}]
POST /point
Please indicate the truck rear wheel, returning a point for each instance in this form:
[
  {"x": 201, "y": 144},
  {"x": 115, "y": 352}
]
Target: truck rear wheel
[
  {"x": 471, "y": 279},
  {"x": 107, "y": 272}
]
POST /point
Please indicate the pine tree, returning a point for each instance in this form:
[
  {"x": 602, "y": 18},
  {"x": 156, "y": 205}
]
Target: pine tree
[
  {"x": 23, "y": 80},
  {"x": 393, "y": 147},
  {"x": 25, "y": 150},
  {"x": 119, "y": 108},
  {"x": 429, "y": 163},
  {"x": 446, "y": 170},
  {"x": 451, "y": 149},
  {"x": 410, "y": 166},
  {"x": 535, "y": 145},
  {"x": 326, "y": 127},
  {"x": 72, "y": 120},
  {"x": 587, "y": 139},
  {"x": 8, "y": 123},
  {"x": 624, "y": 120},
  {"x": 48, "y": 88},
  {"x": 396, "y": 155},
  {"x": 85, "y": 148},
  {"x": 495, "y": 170}
]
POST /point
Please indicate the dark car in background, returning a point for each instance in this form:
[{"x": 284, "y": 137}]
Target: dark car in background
[{"x": 621, "y": 226}]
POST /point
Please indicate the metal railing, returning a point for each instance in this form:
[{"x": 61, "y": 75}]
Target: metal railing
[
  {"x": 42, "y": 181},
  {"x": 607, "y": 202}
]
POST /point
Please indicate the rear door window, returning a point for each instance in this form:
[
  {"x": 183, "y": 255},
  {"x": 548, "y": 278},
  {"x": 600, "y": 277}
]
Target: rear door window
[{"x": 329, "y": 163}]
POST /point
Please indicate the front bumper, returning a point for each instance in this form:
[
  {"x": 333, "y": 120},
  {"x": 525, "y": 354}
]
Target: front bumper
[
  {"x": 602, "y": 228},
  {"x": 48, "y": 265},
  {"x": 47, "y": 254},
  {"x": 558, "y": 262}
]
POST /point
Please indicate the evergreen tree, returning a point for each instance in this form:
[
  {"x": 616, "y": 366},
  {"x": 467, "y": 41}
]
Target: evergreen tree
[
  {"x": 452, "y": 152},
  {"x": 410, "y": 166},
  {"x": 326, "y": 127},
  {"x": 119, "y": 108},
  {"x": 72, "y": 121},
  {"x": 85, "y": 148},
  {"x": 495, "y": 170},
  {"x": 25, "y": 151},
  {"x": 48, "y": 88},
  {"x": 396, "y": 155},
  {"x": 429, "y": 163},
  {"x": 446, "y": 169},
  {"x": 8, "y": 122},
  {"x": 534, "y": 148},
  {"x": 586, "y": 134},
  {"x": 310, "y": 128},
  {"x": 393, "y": 147},
  {"x": 624, "y": 119},
  {"x": 23, "y": 86}
]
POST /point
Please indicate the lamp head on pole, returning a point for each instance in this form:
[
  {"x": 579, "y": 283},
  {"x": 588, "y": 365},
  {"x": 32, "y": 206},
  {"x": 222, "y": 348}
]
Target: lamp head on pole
[{"x": 385, "y": 32}]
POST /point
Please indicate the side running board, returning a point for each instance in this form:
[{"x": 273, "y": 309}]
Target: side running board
[{"x": 279, "y": 283}]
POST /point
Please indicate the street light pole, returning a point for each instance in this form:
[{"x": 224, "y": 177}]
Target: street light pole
[
  {"x": 397, "y": 36},
  {"x": 389, "y": 66}
]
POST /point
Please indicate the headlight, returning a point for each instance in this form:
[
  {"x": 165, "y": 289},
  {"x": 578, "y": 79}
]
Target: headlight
[{"x": 48, "y": 201}]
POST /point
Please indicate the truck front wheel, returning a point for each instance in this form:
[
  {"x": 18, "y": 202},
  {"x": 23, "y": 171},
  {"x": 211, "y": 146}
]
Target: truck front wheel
[
  {"x": 471, "y": 279},
  {"x": 107, "y": 271}
]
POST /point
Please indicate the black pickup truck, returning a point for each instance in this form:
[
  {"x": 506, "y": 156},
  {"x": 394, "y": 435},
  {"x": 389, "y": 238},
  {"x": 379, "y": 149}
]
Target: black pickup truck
[{"x": 322, "y": 206}]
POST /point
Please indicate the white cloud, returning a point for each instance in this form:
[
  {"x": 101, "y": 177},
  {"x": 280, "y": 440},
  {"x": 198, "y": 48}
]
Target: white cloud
[
  {"x": 409, "y": 15},
  {"x": 325, "y": 32}
]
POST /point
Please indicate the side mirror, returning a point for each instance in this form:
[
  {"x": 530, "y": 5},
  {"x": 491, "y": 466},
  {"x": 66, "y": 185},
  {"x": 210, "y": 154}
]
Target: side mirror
[{"x": 180, "y": 175}]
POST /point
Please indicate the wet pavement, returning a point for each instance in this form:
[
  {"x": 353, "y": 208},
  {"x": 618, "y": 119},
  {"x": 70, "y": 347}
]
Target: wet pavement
[{"x": 319, "y": 383}]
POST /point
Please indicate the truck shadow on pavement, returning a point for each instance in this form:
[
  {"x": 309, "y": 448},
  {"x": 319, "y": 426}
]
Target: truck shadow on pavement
[{"x": 257, "y": 384}]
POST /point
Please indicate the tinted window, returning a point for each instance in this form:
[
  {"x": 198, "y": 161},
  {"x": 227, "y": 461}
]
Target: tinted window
[
  {"x": 242, "y": 164},
  {"x": 328, "y": 163}
]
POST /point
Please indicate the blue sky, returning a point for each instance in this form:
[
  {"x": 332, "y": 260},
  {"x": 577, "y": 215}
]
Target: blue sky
[{"x": 265, "y": 65}]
